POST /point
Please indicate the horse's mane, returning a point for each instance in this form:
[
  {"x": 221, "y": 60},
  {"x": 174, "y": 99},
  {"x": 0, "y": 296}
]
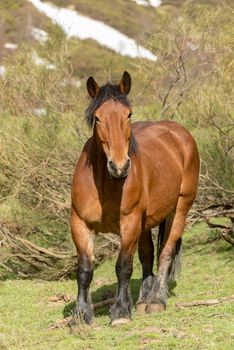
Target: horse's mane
[{"x": 106, "y": 92}]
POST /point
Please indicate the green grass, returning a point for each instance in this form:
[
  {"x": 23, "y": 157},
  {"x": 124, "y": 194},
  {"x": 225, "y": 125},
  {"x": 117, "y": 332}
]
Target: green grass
[
  {"x": 38, "y": 156},
  {"x": 26, "y": 311}
]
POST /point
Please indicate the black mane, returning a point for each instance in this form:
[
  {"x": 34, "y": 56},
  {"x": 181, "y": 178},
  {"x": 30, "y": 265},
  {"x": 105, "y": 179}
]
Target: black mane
[{"x": 106, "y": 92}]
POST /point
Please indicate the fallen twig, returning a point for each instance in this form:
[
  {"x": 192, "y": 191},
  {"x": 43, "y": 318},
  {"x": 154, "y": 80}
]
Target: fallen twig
[
  {"x": 40, "y": 249},
  {"x": 104, "y": 303},
  {"x": 66, "y": 298},
  {"x": 227, "y": 237},
  {"x": 62, "y": 297},
  {"x": 205, "y": 302},
  {"x": 60, "y": 323}
]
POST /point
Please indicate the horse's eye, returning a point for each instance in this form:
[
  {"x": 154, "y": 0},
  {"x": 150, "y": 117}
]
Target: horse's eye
[
  {"x": 96, "y": 119},
  {"x": 129, "y": 116}
]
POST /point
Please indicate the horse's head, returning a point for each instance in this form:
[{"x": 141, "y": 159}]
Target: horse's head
[{"x": 111, "y": 112}]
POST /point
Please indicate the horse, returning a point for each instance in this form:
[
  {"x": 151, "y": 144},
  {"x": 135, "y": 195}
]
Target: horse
[{"x": 131, "y": 177}]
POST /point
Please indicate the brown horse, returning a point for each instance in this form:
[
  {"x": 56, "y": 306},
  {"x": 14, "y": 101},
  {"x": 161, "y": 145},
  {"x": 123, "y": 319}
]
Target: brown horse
[{"x": 130, "y": 178}]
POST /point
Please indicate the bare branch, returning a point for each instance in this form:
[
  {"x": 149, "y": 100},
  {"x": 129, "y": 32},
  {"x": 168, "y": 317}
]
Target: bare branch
[{"x": 206, "y": 302}]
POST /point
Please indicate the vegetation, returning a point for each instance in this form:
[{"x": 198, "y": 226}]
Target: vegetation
[
  {"x": 42, "y": 128},
  {"x": 42, "y": 132},
  {"x": 27, "y": 324},
  {"x": 191, "y": 82}
]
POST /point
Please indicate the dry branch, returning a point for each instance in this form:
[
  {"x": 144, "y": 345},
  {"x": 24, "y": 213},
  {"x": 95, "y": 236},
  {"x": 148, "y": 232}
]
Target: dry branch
[
  {"x": 22, "y": 256},
  {"x": 33, "y": 246},
  {"x": 212, "y": 211},
  {"x": 106, "y": 302},
  {"x": 205, "y": 302},
  {"x": 227, "y": 237},
  {"x": 68, "y": 298}
]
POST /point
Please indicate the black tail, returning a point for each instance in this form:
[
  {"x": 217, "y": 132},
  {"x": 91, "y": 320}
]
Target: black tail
[{"x": 175, "y": 267}]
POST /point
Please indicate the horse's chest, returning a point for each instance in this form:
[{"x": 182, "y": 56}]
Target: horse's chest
[
  {"x": 103, "y": 211},
  {"x": 102, "y": 217}
]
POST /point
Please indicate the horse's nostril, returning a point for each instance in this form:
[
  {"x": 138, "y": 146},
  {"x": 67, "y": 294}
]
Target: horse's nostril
[
  {"x": 112, "y": 165},
  {"x": 119, "y": 170},
  {"x": 127, "y": 164}
]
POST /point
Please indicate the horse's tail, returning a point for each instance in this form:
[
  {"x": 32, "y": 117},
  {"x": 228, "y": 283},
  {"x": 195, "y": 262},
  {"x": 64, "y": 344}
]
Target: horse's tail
[{"x": 175, "y": 267}]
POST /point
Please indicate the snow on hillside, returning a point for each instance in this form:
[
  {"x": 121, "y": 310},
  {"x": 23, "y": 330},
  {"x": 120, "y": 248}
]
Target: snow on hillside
[
  {"x": 154, "y": 3},
  {"x": 11, "y": 46},
  {"x": 82, "y": 27},
  {"x": 39, "y": 35},
  {"x": 2, "y": 70}
]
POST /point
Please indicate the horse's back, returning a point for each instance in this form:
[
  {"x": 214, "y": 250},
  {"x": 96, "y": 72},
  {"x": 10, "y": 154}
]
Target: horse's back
[{"x": 168, "y": 135}]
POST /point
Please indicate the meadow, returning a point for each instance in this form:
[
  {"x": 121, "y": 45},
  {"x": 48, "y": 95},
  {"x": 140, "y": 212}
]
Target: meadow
[
  {"x": 28, "y": 314},
  {"x": 42, "y": 131}
]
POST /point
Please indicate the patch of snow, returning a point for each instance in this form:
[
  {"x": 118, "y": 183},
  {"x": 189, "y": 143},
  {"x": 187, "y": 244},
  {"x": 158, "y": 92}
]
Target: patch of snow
[
  {"x": 192, "y": 46},
  {"x": 72, "y": 82},
  {"x": 2, "y": 70},
  {"x": 82, "y": 27},
  {"x": 75, "y": 83},
  {"x": 39, "y": 35},
  {"x": 42, "y": 62},
  {"x": 40, "y": 112},
  {"x": 142, "y": 2},
  {"x": 11, "y": 46},
  {"x": 153, "y": 3}
]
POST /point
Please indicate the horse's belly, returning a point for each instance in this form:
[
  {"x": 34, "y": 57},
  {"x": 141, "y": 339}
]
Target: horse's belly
[
  {"x": 162, "y": 198},
  {"x": 158, "y": 213}
]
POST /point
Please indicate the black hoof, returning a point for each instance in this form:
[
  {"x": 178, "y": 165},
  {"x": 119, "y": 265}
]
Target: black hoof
[
  {"x": 82, "y": 314},
  {"x": 121, "y": 310}
]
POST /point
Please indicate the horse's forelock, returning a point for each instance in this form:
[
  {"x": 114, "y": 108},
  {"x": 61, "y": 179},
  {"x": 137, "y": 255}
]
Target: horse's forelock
[{"x": 106, "y": 92}]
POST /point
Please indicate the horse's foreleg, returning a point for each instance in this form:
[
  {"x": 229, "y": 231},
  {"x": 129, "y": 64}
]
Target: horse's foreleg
[
  {"x": 121, "y": 310},
  {"x": 83, "y": 240},
  {"x": 146, "y": 256}
]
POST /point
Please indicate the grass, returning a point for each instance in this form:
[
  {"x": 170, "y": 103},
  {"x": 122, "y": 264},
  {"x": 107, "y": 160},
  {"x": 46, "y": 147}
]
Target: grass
[
  {"x": 26, "y": 312},
  {"x": 38, "y": 156}
]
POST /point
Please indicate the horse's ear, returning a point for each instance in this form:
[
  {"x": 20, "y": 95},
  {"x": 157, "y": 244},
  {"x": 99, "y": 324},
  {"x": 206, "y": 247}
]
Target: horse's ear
[
  {"x": 125, "y": 83},
  {"x": 92, "y": 87}
]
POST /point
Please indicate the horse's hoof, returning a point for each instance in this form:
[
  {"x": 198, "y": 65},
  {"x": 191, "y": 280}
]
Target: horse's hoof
[
  {"x": 120, "y": 321},
  {"x": 153, "y": 308},
  {"x": 73, "y": 322},
  {"x": 140, "y": 308}
]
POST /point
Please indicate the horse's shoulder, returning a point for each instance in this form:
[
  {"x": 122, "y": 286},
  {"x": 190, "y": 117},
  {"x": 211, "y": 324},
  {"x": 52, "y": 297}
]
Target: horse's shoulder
[{"x": 147, "y": 131}]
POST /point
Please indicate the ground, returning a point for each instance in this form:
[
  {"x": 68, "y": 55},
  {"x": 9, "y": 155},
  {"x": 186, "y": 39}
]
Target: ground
[{"x": 27, "y": 313}]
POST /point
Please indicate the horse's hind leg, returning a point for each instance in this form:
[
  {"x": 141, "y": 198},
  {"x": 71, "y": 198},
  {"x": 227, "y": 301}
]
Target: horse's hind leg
[
  {"x": 146, "y": 256},
  {"x": 83, "y": 240},
  {"x": 169, "y": 246}
]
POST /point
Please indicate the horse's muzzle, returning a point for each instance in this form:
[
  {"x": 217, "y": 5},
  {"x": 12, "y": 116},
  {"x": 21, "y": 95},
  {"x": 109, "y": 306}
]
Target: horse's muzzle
[{"x": 118, "y": 171}]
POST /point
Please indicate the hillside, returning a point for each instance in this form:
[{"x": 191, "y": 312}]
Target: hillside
[
  {"x": 43, "y": 98},
  {"x": 184, "y": 73}
]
